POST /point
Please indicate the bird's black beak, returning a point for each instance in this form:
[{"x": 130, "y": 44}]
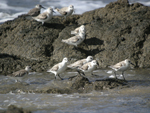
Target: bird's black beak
[
  {"x": 132, "y": 63},
  {"x": 97, "y": 64},
  {"x": 43, "y": 7}
]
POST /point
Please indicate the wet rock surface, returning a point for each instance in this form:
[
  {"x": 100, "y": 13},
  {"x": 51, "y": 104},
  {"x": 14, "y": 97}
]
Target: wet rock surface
[
  {"x": 74, "y": 84},
  {"x": 15, "y": 109},
  {"x": 113, "y": 33}
]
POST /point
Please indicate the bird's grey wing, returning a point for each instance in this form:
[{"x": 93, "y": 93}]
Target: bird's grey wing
[
  {"x": 19, "y": 73},
  {"x": 85, "y": 67},
  {"x": 76, "y": 64},
  {"x": 55, "y": 67},
  {"x": 34, "y": 12},
  {"x": 42, "y": 16},
  {"x": 63, "y": 11},
  {"x": 118, "y": 65},
  {"x": 73, "y": 39}
]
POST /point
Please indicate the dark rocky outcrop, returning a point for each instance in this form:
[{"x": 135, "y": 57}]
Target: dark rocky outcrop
[{"x": 113, "y": 33}]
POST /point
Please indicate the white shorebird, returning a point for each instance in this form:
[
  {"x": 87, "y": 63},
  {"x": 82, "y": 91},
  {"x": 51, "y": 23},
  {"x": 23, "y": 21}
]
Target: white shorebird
[
  {"x": 35, "y": 11},
  {"x": 66, "y": 11},
  {"x": 59, "y": 68},
  {"x": 43, "y": 17},
  {"x": 89, "y": 67},
  {"x": 76, "y": 40},
  {"x": 20, "y": 73},
  {"x": 121, "y": 66},
  {"x": 76, "y": 31},
  {"x": 80, "y": 63}
]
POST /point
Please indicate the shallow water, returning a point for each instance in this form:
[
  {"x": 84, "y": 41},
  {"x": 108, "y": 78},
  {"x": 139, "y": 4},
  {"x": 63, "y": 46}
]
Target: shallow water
[{"x": 135, "y": 99}]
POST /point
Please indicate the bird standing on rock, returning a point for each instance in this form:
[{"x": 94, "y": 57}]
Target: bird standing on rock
[
  {"x": 66, "y": 11},
  {"x": 89, "y": 67},
  {"x": 78, "y": 29},
  {"x": 35, "y": 11},
  {"x": 76, "y": 40},
  {"x": 20, "y": 73},
  {"x": 121, "y": 66},
  {"x": 59, "y": 68},
  {"x": 80, "y": 63},
  {"x": 43, "y": 17}
]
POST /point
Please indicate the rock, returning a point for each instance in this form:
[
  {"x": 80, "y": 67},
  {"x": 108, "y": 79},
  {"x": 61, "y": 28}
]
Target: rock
[
  {"x": 113, "y": 33},
  {"x": 15, "y": 109},
  {"x": 74, "y": 84}
]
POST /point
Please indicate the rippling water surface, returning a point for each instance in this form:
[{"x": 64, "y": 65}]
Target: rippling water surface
[{"x": 135, "y": 99}]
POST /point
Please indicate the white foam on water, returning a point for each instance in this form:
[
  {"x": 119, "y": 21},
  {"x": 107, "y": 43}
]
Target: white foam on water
[
  {"x": 59, "y": 95},
  {"x": 71, "y": 72},
  {"x": 6, "y": 100},
  {"x": 110, "y": 71},
  {"x": 111, "y": 76},
  {"x": 144, "y": 3},
  {"x": 5, "y": 16}
]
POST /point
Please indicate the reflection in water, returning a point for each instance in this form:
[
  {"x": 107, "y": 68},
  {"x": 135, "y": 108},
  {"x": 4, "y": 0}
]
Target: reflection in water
[{"x": 133, "y": 99}]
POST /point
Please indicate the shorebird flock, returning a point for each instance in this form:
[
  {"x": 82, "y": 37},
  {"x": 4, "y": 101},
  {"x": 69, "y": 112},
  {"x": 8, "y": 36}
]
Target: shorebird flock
[{"x": 87, "y": 65}]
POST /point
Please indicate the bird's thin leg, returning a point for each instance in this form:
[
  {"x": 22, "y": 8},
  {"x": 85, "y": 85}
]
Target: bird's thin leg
[
  {"x": 123, "y": 75},
  {"x": 87, "y": 46},
  {"x": 81, "y": 74},
  {"x": 115, "y": 74},
  {"x": 74, "y": 48},
  {"x": 60, "y": 77}
]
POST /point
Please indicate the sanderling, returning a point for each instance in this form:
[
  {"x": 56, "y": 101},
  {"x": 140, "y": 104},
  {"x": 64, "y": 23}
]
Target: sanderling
[
  {"x": 35, "y": 11},
  {"x": 59, "y": 68},
  {"x": 43, "y": 17},
  {"x": 76, "y": 31},
  {"x": 20, "y": 73},
  {"x": 66, "y": 11},
  {"x": 121, "y": 66},
  {"x": 80, "y": 63},
  {"x": 76, "y": 40},
  {"x": 89, "y": 67}
]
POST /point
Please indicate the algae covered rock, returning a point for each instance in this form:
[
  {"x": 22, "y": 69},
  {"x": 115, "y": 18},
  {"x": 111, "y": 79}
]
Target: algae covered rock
[{"x": 118, "y": 31}]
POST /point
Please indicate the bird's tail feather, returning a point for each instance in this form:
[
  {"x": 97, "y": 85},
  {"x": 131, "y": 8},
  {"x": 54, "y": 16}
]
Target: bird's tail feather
[
  {"x": 73, "y": 32},
  {"x": 110, "y": 66},
  {"x": 63, "y": 41},
  {"x": 49, "y": 70}
]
